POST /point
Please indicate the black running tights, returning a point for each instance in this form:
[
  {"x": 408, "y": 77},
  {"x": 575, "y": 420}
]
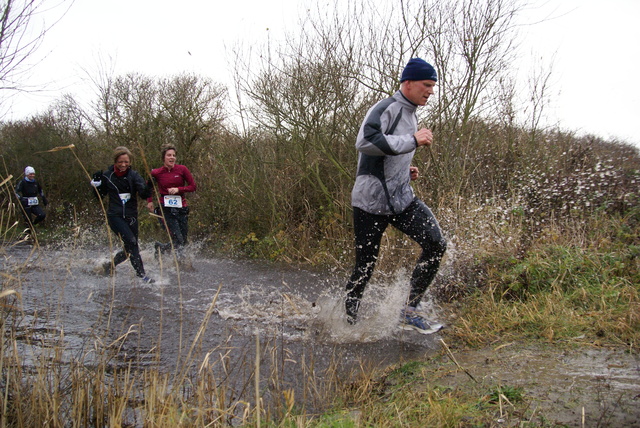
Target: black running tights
[
  {"x": 127, "y": 230},
  {"x": 419, "y": 223}
]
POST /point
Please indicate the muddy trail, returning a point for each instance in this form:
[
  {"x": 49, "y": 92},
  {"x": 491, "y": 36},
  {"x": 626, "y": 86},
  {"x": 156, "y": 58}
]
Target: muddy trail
[
  {"x": 227, "y": 309},
  {"x": 207, "y": 306},
  {"x": 560, "y": 385}
]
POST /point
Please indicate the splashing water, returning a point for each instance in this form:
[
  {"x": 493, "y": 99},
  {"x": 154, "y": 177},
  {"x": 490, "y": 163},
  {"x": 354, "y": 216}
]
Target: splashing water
[{"x": 64, "y": 302}]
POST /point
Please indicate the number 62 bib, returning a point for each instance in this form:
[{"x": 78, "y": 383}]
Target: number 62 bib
[{"x": 173, "y": 201}]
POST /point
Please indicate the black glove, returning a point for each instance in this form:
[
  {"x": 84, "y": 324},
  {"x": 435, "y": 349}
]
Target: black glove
[
  {"x": 97, "y": 176},
  {"x": 45, "y": 201}
]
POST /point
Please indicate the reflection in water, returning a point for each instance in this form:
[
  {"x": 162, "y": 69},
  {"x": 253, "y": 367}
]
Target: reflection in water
[{"x": 212, "y": 312}]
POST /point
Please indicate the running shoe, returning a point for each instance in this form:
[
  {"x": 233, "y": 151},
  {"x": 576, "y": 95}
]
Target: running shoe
[
  {"x": 410, "y": 320},
  {"x": 147, "y": 280}
]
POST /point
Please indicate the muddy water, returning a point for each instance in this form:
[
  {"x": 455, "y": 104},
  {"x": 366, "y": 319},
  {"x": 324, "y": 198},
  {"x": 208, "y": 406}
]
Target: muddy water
[{"x": 211, "y": 309}]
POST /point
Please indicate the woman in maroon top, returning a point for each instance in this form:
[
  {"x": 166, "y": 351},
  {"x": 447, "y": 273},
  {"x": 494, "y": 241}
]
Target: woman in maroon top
[{"x": 173, "y": 181}]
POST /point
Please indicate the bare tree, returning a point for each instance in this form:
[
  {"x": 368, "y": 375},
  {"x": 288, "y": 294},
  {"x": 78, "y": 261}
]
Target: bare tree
[
  {"x": 129, "y": 111},
  {"x": 20, "y": 37},
  {"x": 540, "y": 83},
  {"x": 192, "y": 108},
  {"x": 473, "y": 51},
  {"x": 313, "y": 91}
]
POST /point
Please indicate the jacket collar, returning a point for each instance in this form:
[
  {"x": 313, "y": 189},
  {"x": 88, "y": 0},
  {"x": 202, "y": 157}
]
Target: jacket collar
[{"x": 399, "y": 96}]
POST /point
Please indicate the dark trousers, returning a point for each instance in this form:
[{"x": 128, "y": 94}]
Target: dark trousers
[
  {"x": 177, "y": 220},
  {"x": 419, "y": 223},
  {"x": 127, "y": 230},
  {"x": 35, "y": 210}
]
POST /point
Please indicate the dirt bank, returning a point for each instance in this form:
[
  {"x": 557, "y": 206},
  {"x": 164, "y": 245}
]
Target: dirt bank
[{"x": 584, "y": 386}]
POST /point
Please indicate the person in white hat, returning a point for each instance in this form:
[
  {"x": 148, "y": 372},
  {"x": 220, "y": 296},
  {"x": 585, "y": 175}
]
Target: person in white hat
[{"x": 31, "y": 197}]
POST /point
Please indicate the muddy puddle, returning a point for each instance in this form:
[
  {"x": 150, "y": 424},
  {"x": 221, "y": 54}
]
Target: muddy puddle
[{"x": 212, "y": 308}]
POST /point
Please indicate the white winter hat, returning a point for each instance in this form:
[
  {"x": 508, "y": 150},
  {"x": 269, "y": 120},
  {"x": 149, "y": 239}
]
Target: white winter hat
[{"x": 29, "y": 170}]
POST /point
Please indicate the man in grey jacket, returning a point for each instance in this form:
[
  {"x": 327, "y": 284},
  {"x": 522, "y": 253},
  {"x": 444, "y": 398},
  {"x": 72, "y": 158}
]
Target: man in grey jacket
[{"x": 382, "y": 194}]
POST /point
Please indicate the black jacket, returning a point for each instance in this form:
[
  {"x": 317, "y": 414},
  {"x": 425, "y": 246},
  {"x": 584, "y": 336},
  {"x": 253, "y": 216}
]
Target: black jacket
[
  {"x": 123, "y": 192},
  {"x": 29, "y": 189}
]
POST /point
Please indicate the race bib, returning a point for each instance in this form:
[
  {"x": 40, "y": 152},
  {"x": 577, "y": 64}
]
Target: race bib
[
  {"x": 173, "y": 201},
  {"x": 32, "y": 201},
  {"x": 124, "y": 197}
]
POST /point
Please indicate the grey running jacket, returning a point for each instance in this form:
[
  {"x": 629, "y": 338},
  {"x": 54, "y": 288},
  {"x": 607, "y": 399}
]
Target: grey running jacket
[{"x": 386, "y": 146}]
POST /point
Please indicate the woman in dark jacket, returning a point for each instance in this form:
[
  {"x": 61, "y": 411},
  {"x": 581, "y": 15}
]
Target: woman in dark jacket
[
  {"x": 123, "y": 185},
  {"x": 30, "y": 194}
]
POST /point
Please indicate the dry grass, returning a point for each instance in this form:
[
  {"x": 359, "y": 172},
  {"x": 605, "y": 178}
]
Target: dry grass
[{"x": 94, "y": 392}]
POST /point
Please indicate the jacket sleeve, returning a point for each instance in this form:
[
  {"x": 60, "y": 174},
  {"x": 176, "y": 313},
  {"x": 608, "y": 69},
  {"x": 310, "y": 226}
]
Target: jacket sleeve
[
  {"x": 103, "y": 189},
  {"x": 191, "y": 183},
  {"x": 18, "y": 190},
  {"x": 20, "y": 194},
  {"x": 376, "y": 136},
  {"x": 45, "y": 201},
  {"x": 144, "y": 191}
]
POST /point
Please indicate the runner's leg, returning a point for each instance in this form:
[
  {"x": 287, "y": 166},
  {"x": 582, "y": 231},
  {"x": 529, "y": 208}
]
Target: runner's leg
[
  {"x": 419, "y": 223},
  {"x": 39, "y": 213},
  {"x": 368, "y": 230},
  {"x": 127, "y": 229}
]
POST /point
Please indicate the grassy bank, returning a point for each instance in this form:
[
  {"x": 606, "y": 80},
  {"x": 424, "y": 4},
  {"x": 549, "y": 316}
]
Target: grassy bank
[{"x": 574, "y": 285}]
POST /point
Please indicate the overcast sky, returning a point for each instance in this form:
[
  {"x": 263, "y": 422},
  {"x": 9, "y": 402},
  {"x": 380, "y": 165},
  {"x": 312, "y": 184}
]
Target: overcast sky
[{"x": 594, "y": 46}]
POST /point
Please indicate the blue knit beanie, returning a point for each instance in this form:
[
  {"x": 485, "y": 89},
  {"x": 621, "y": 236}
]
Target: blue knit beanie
[{"x": 418, "y": 69}]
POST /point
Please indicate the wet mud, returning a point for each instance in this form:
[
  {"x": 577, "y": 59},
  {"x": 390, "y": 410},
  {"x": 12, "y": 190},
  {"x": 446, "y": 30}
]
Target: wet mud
[{"x": 576, "y": 387}]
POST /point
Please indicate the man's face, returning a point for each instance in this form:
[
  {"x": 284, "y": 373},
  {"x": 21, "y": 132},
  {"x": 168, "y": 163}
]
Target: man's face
[
  {"x": 418, "y": 91},
  {"x": 31, "y": 176}
]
